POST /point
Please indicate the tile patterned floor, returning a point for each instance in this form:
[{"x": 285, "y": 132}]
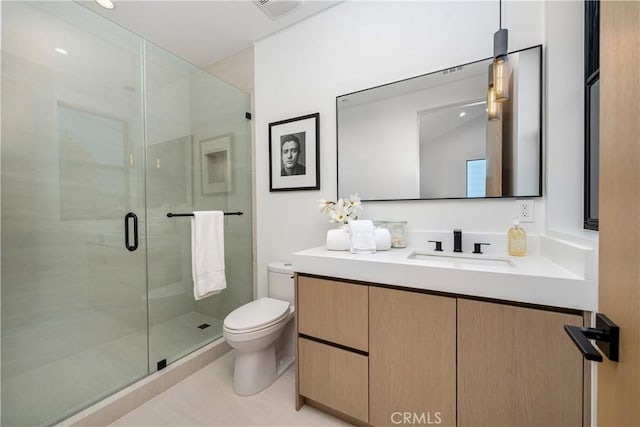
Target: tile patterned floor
[{"x": 206, "y": 399}]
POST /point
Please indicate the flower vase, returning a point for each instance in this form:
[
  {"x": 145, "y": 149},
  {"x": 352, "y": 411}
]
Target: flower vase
[{"x": 338, "y": 238}]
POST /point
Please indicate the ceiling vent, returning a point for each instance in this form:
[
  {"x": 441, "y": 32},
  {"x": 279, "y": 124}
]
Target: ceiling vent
[{"x": 275, "y": 9}]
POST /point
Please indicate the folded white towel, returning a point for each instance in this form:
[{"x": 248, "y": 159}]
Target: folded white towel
[
  {"x": 207, "y": 253},
  {"x": 362, "y": 236},
  {"x": 383, "y": 239}
]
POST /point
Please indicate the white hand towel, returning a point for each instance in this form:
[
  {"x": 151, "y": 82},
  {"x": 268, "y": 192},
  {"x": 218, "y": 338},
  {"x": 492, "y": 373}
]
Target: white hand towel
[
  {"x": 383, "y": 239},
  {"x": 207, "y": 253},
  {"x": 362, "y": 236}
]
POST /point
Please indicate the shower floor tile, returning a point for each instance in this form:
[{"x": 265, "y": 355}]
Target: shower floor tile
[
  {"x": 179, "y": 336},
  {"x": 49, "y": 391}
]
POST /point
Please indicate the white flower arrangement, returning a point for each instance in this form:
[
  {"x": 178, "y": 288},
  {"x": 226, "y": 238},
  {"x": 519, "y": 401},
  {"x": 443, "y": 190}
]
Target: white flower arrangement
[{"x": 341, "y": 211}]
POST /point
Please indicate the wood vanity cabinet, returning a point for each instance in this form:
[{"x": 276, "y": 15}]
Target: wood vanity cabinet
[
  {"x": 517, "y": 366},
  {"x": 412, "y": 358},
  {"x": 333, "y": 344},
  {"x": 386, "y": 356}
]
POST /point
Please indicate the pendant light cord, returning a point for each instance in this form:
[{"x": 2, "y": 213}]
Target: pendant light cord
[{"x": 500, "y": 14}]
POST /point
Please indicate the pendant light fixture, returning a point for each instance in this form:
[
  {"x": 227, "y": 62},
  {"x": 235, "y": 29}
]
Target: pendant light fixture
[
  {"x": 501, "y": 69},
  {"x": 494, "y": 109}
]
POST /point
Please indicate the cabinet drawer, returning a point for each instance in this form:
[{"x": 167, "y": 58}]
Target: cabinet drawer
[
  {"x": 333, "y": 311},
  {"x": 334, "y": 377}
]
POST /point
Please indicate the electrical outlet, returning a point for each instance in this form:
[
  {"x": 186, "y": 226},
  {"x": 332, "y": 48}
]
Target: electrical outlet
[{"x": 525, "y": 210}]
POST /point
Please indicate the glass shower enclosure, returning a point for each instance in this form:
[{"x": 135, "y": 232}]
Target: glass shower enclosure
[{"x": 102, "y": 135}]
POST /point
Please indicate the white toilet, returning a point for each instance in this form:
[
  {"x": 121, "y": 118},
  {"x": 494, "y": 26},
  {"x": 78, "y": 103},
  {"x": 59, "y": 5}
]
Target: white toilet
[{"x": 262, "y": 334}]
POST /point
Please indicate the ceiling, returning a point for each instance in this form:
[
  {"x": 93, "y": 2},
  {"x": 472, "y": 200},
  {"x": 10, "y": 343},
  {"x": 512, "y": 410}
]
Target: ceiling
[{"x": 204, "y": 32}]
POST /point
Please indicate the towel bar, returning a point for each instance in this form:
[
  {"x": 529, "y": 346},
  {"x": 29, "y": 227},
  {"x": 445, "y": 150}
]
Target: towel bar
[{"x": 171, "y": 215}]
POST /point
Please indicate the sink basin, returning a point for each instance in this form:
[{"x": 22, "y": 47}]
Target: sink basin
[{"x": 452, "y": 258}]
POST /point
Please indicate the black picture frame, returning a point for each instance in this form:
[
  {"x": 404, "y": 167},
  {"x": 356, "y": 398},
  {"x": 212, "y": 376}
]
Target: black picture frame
[{"x": 300, "y": 169}]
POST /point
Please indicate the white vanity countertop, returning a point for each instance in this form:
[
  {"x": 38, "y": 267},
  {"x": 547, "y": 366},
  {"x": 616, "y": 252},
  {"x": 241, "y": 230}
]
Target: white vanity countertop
[{"x": 532, "y": 279}]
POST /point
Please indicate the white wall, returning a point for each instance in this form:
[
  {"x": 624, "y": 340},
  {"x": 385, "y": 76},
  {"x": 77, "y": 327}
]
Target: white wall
[
  {"x": 564, "y": 117},
  {"x": 237, "y": 70},
  {"x": 353, "y": 46}
]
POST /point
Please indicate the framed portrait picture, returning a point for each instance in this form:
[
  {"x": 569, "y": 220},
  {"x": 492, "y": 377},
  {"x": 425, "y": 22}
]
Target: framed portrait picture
[
  {"x": 294, "y": 160},
  {"x": 215, "y": 163}
]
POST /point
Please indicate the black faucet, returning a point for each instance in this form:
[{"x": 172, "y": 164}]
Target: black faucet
[
  {"x": 477, "y": 247},
  {"x": 457, "y": 240},
  {"x": 438, "y": 243}
]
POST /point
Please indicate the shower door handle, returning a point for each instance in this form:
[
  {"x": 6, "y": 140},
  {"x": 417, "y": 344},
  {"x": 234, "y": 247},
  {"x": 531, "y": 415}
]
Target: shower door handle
[{"x": 128, "y": 217}]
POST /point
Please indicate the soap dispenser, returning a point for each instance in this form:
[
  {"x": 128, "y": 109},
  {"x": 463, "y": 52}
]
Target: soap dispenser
[{"x": 517, "y": 239}]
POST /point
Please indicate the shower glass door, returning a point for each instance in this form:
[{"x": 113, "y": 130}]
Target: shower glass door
[
  {"x": 74, "y": 309},
  {"x": 198, "y": 158},
  {"x": 104, "y": 133}
]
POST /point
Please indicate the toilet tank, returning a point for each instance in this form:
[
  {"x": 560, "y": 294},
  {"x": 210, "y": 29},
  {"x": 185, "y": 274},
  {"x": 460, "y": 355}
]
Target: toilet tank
[{"x": 281, "y": 281}]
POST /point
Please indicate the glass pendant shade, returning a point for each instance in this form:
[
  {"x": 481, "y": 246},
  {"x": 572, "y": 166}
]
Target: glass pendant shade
[
  {"x": 501, "y": 71},
  {"x": 494, "y": 109}
]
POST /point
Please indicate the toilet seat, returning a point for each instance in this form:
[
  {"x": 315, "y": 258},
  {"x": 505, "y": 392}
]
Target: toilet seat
[{"x": 256, "y": 315}]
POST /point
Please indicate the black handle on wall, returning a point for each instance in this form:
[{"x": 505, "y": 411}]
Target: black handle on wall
[
  {"x": 127, "y": 217},
  {"x": 607, "y": 336}
]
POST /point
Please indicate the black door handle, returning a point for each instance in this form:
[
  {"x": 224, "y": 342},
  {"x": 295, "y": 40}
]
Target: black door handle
[
  {"x": 127, "y": 217},
  {"x": 579, "y": 336},
  {"x": 607, "y": 336}
]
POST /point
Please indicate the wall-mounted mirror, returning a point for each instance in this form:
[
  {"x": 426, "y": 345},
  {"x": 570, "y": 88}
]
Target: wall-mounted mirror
[{"x": 429, "y": 137}]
